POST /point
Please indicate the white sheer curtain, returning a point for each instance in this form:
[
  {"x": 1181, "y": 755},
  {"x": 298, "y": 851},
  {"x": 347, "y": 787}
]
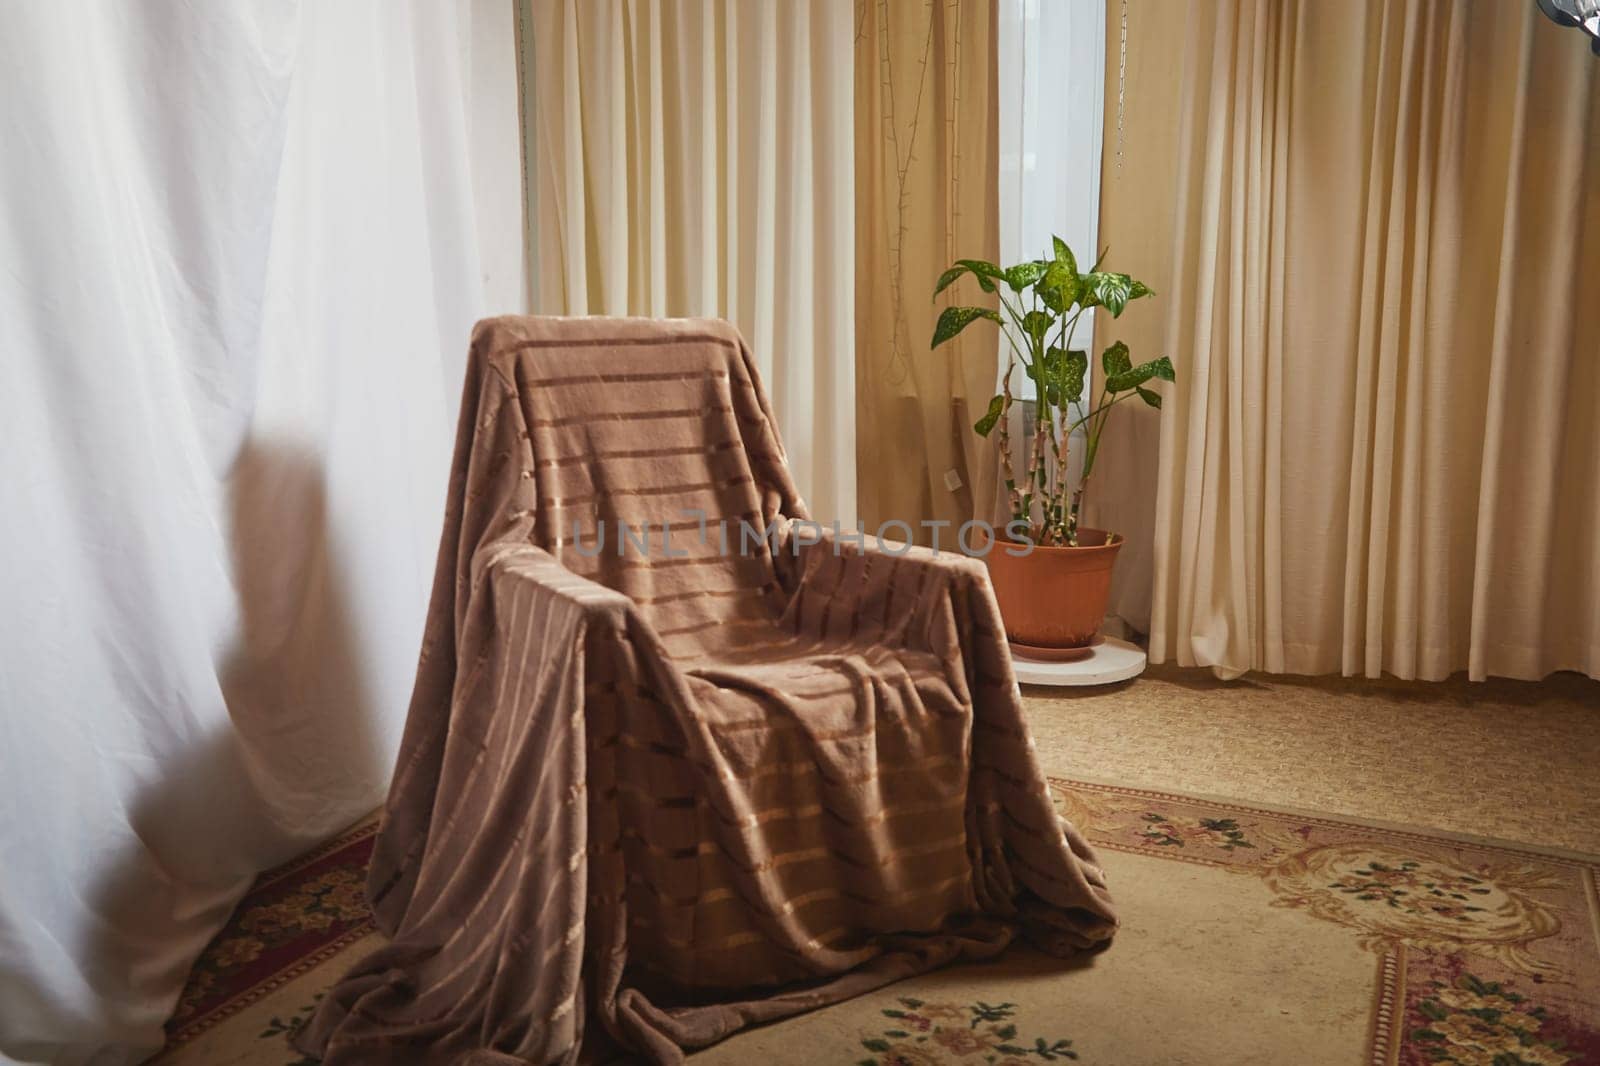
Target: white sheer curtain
[
  {"x": 698, "y": 159},
  {"x": 1052, "y": 73},
  {"x": 241, "y": 257}
]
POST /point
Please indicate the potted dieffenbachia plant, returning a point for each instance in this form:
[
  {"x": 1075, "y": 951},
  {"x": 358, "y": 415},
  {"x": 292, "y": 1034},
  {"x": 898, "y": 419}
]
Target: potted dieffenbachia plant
[{"x": 1052, "y": 577}]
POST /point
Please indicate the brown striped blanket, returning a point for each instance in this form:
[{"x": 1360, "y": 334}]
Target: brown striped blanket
[{"x": 723, "y": 772}]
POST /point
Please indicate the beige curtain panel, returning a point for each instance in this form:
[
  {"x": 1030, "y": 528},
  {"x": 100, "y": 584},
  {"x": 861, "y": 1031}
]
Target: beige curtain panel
[
  {"x": 695, "y": 158},
  {"x": 927, "y": 172},
  {"x": 1381, "y": 453}
]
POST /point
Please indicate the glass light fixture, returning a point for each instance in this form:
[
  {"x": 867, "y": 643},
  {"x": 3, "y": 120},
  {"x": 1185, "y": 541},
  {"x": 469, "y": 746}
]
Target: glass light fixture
[{"x": 1584, "y": 14}]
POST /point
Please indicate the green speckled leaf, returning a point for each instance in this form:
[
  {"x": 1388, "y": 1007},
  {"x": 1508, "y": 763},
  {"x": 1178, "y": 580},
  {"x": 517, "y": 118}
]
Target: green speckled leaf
[
  {"x": 955, "y": 319},
  {"x": 1160, "y": 369},
  {"x": 986, "y": 424}
]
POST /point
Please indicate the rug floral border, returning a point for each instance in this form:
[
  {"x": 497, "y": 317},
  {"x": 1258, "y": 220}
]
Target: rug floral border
[
  {"x": 1487, "y": 954},
  {"x": 1477, "y": 947},
  {"x": 295, "y": 917}
]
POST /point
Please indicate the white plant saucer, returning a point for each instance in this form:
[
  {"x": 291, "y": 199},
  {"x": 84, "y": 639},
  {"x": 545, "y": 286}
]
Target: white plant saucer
[{"x": 1109, "y": 661}]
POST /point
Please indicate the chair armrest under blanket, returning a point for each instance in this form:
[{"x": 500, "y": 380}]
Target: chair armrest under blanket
[
  {"x": 905, "y": 595},
  {"x": 524, "y": 619},
  {"x": 480, "y": 879},
  {"x": 914, "y": 599}
]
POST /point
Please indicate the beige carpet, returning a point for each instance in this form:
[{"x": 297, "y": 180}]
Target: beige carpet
[
  {"x": 1254, "y": 932},
  {"x": 1509, "y": 759}
]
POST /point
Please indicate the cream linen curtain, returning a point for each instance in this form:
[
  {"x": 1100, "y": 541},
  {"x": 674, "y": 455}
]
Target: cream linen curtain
[
  {"x": 1383, "y": 450},
  {"x": 927, "y": 163},
  {"x": 695, "y": 158},
  {"x": 1137, "y": 207}
]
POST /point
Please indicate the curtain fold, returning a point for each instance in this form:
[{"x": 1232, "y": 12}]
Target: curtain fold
[
  {"x": 927, "y": 165},
  {"x": 1381, "y": 453},
  {"x": 694, "y": 157},
  {"x": 243, "y": 251}
]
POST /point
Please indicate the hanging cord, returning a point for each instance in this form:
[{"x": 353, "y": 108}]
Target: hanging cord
[{"x": 1122, "y": 82}]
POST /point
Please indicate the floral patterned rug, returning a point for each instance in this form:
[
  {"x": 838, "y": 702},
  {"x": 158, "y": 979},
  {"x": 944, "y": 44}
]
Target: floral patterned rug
[
  {"x": 295, "y": 918},
  {"x": 1250, "y": 935}
]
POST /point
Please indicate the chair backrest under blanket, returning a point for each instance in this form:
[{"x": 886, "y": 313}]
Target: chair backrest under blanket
[{"x": 641, "y": 453}]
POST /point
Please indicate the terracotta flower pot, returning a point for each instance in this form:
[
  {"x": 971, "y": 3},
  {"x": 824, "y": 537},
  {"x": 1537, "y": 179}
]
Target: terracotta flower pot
[{"x": 1053, "y": 600}]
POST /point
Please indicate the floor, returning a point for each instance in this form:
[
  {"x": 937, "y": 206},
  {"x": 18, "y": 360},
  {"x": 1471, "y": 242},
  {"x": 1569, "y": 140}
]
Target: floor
[{"x": 1508, "y": 759}]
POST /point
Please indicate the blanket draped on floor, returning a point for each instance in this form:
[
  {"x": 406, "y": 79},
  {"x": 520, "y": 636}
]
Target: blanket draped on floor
[{"x": 712, "y": 773}]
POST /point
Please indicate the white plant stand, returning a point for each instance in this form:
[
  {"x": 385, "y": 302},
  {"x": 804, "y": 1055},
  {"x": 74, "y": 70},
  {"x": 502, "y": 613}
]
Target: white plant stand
[{"x": 1109, "y": 661}]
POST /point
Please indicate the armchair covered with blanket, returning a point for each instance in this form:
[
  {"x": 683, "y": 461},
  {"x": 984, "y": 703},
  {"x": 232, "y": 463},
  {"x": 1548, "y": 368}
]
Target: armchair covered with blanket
[{"x": 676, "y": 765}]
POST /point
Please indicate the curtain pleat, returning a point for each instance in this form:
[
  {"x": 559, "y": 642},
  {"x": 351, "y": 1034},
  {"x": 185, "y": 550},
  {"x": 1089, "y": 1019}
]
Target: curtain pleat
[
  {"x": 1381, "y": 452},
  {"x": 695, "y": 158},
  {"x": 927, "y": 193}
]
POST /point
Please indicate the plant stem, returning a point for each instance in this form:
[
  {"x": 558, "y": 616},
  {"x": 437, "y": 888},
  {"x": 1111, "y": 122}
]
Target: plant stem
[
  {"x": 1096, "y": 420},
  {"x": 1012, "y": 497},
  {"x": 1021, "y": 505},
  {"x": 1034, "y": 365},
  {"x": 1104, "y": 405},
  {"x": 1016, "y": 320}
]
